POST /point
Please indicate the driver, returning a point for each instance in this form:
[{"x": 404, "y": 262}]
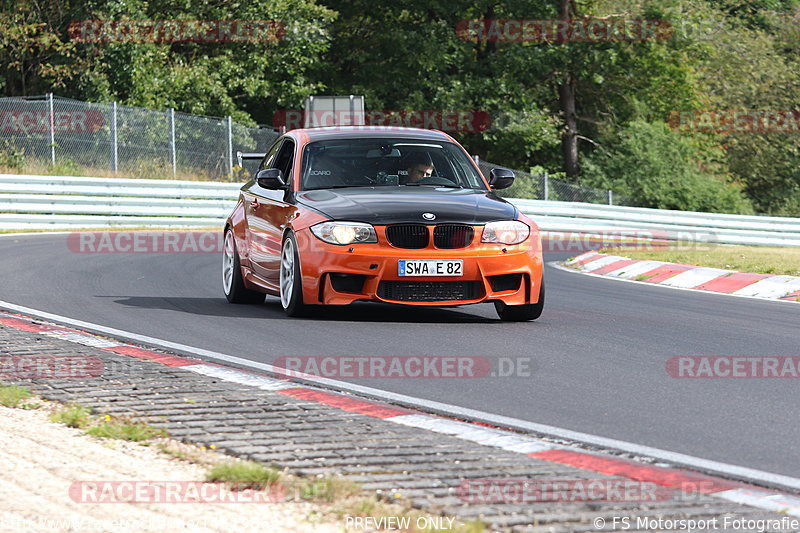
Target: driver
[{"x": 418, "y": 166}]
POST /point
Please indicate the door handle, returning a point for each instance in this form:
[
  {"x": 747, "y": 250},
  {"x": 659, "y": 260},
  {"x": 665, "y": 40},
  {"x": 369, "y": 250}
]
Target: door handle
[{"x": 255, "y": 203}]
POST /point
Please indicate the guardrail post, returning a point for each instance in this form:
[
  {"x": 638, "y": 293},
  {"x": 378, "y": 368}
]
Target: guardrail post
[
  {"x": 230, "y": 148},
  {"x": 546, "y": 186},
  {"x": 52, "y": 129},
  {"x": 610, "y": 197},
  {"x": 114, "y": 145},
  {"x": 172, "y": 142}
]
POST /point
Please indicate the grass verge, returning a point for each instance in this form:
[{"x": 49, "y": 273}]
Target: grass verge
[
  {"x": 758, "y": 259},
  {"x": 106, "y": 427},
  {"x": 13, "y": 396},
  {"x": 73, "y": 415},
  {"x": 244, "y": 474},
  {"x": 122, "y": 429}
]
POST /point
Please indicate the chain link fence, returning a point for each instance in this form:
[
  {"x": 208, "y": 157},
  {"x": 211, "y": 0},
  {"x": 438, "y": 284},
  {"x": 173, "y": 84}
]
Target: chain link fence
[
  {"x": 543, "y": 187},
  {"x": 70, "y": 135}
]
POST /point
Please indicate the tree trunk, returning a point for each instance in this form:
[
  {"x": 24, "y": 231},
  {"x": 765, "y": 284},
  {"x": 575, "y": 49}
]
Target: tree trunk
[
  {"x": 566, "y": 99},
  {"x": 569, "y": 140}
]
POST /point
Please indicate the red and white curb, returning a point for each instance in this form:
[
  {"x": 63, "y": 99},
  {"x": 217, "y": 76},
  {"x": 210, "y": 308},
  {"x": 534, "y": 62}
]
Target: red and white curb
[
  {"x": 677, "y": 478},
  {"x": 764, "y": 286}
]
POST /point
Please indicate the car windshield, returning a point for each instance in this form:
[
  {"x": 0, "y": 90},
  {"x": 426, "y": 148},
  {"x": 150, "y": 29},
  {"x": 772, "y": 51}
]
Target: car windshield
[{"x": 387, "y": 163}]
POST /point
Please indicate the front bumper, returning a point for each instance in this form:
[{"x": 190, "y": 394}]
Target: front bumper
[{"x": 365, "y": 266}]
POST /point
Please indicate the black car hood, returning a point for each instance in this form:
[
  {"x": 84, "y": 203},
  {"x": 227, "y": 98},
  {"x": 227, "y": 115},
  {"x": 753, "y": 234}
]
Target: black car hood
[{"x": 391, "y": 205}]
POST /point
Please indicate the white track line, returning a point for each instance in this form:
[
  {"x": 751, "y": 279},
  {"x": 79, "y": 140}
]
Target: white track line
[{"x": 724, "y": 469}]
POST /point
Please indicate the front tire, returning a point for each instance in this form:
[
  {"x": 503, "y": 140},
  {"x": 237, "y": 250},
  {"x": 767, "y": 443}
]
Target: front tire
[
  {"x": 232, "y": 281},
  {"x": 521, "y": 313},
  {"x": 291, "y": 280}
]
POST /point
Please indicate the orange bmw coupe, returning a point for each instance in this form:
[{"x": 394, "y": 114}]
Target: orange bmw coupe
[{"x": 398, "y": 215}]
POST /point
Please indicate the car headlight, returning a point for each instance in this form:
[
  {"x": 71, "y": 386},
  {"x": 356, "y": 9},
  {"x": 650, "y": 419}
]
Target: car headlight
[
  {"x": 344, "y": 232},
  {"x": 506, "y": 232}
]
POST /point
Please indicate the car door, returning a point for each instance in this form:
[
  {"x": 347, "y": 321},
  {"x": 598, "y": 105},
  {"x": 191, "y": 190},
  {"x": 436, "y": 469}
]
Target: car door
[
  {"x": 250, "y": 193},
  {"x": 268, "y": 213}
]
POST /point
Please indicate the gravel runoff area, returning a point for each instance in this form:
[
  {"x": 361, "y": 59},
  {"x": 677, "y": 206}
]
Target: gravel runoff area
[
  {"x": 41, "y": 460},
  {"x": 304, "y": 437}
]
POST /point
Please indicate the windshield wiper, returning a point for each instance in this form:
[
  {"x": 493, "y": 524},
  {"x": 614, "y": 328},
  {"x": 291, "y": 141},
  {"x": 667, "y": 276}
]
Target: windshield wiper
[
  {"x": 417, "y": 184},
  {"x": 335, "y": 187}
]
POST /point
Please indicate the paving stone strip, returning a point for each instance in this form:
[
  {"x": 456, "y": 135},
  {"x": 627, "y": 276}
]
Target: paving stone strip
[{"x": 309, "y": 438}]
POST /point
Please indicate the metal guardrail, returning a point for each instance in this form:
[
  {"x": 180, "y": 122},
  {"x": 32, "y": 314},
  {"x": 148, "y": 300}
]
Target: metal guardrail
[
  {"x": 662, "y": 223},
  {"x": 63, "y": 202}
]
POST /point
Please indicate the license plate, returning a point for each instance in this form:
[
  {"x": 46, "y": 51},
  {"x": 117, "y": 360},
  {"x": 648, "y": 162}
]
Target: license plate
[{"x": 430, "y": 267}]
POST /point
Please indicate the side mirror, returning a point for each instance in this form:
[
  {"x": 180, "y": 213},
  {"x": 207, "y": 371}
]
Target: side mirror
[
  {"x": 271, "y": 178},
  {"x": 501, "y": 178}
]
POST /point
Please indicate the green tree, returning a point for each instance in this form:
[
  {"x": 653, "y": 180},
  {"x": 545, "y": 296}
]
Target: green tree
[
  {"x": 248, "y": 80},
  {"x": 34, "y": 55},
  {"x": 665, "y": 169}
]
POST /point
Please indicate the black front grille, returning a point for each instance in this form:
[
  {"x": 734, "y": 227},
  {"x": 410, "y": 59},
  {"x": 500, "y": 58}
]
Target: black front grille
[
  {"x": 430, "y": 291},
  {"x": 453, "y": 235},
  {"x": 412, "y": 236}
]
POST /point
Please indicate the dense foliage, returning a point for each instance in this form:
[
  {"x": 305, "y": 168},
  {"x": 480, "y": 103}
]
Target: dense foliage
[{"x": 719, "y": 55}]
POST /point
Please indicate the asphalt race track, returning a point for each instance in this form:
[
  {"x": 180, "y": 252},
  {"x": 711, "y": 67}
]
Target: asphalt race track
[{"x": 598, "y": 353}]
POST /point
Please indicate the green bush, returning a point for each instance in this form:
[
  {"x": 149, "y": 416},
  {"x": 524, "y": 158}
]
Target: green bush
[
  {"x": 12, "y": 396},
  {"x": 73, "y": 415},
  {"x": 664, "y": 169},
  {"x": 65, "y": 168},
  {"x": 11, "y": 156}
]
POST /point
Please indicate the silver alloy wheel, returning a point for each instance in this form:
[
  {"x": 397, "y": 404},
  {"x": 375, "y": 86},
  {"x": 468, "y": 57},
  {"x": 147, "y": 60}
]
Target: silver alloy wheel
[
  {"x": 287, "y": 272},
  {"x": 228, "y": 263}
]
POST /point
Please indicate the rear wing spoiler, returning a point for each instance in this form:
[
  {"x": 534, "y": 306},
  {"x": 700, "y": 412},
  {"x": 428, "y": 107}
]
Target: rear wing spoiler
[{"x": 241, "y": 156}]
